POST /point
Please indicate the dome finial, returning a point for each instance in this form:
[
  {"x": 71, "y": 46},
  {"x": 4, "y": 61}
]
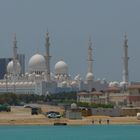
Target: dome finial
[
  {"x": 37, "y": 49},
  {"x": 37, "y": 46}
]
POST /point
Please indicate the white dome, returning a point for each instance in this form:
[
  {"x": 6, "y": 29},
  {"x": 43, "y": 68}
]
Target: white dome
[
  {"x": 138, "y": 114},
  {"x": 122, "y": 84},
  {"x": 11, "y": 69},
  {"x": 111, "y": 84},
  {"x": 89, "y": 76},
  {"x": 73, "y": 83},
  {"x": 61, "y": 68},
  {"x": 114, "y": 84},
  {"x": 37, "y": 63},
  {"x": 73, "y": 106},
  {"x": 64, "y": 84},
  {"x": 77, "y": 77}
]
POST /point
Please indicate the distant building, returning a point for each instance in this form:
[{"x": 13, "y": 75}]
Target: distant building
[
  {"x": 91, "y": 97},
  {"x": 3, "y": 66},
  {"x": 4, "y": 62},
  {"x": 74, "y": 112},
  {"x": 129, "y": 97},
  {"x": 113, "y": 95},
  {"x": 21, "y": 59}
]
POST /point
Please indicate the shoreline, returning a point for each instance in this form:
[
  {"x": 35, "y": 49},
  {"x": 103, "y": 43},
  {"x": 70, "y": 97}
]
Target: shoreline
[
  {"x": 22, "y": 116},
  {"x": 35, "y": 122}
]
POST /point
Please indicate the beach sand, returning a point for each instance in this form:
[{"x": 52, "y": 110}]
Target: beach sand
[{"x": 22, "y": 116}]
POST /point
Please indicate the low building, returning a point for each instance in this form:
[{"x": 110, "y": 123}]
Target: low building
[
  {"x": 128, "y": 111},
  {"x": 116, "y": 96},
  {"x": 74, "y": 112},
  {"x": 113, "y": 112},
  {"x": 119, "y": 97},
  {"x": 91, "y": 97}
]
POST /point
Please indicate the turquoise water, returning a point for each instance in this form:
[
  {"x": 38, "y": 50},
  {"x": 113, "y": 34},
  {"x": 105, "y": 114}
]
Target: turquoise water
[{"x": 95, "y": 132}]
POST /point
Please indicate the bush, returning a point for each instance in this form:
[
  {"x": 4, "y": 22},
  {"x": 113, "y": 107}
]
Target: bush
[{"x": 94, "y": 105}]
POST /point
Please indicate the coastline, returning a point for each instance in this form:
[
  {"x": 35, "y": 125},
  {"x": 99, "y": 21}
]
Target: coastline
[{"x": 22, "y": 116}]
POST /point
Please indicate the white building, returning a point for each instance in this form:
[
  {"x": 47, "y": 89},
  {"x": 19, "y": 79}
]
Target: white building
[{"x": 39, "y": 79}]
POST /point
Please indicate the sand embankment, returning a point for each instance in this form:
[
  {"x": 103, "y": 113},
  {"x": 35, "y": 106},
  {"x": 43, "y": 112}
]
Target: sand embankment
[{"x": 22, "y": 116}]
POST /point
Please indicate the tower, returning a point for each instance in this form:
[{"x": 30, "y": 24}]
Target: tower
[
  {"x": 13, "y": 67},
  {"x": 14, "y": 57},
  {"x": 89, "y": 76},
  {"x": 15, "y": 62},
  {"x": 14, "y": 48},
  {"x": 47, "y": 46},
  {"x": 90, "y": 60},
  {"x": 125, "y": 59}
]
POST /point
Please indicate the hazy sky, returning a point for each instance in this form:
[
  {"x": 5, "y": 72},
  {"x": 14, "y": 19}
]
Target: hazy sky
[{"x": 70, "y": 23}]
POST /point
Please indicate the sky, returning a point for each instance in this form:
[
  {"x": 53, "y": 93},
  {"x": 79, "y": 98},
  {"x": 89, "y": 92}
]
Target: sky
[{"x": 70, "y": 24}]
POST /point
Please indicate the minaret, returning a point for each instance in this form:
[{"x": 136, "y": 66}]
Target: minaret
[
  {"x": 14, "y": 48},
  {"x": 89, "y": 76},
  {"x": 14, "y": 57},
  {"x": 47, "y": 45},
  {"x": 14, "y": 62},
  {"x": 125, "y": 60},
  {"x": 90, "y": 60}
]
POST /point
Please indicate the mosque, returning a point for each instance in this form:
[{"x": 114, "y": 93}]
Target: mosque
[{"x": 41, "y": 81}]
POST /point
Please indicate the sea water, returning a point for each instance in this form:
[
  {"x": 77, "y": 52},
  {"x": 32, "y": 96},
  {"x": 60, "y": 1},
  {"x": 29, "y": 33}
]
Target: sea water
[{"x": 92, "y": 132}]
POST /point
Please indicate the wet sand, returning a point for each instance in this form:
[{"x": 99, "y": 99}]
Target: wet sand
[{"x": 22, "y": 116}]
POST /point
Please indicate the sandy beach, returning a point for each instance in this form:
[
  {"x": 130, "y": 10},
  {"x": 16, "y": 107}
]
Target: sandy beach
[{"x": 22, "y": 116}]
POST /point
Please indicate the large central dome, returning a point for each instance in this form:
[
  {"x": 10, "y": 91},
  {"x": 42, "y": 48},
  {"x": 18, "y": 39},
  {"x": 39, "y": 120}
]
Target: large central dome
[{"x": 37, "y": 63}]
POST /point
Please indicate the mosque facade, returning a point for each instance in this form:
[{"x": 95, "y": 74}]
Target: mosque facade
[{"x": 40, "y": 80}]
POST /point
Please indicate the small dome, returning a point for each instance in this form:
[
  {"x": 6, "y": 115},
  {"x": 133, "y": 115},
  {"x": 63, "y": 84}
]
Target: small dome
[
  {"x": 11, "y": 69},
  {"x": 61, "y": 68},
  {"x": 77, "y": 77},
  {"x": 37, "y": 63},
  {"x": 89, "y": 76},
  {"x": 114, "y": 84},
  {"x": 73, "y": 106},
  {"x": 73, "y": 83},
  {"x": 138, "y": 114},
  {"x": 111, "y": 84},
  {"x": 64, "y": 84},
  {"x": 123, "y": 84}
]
